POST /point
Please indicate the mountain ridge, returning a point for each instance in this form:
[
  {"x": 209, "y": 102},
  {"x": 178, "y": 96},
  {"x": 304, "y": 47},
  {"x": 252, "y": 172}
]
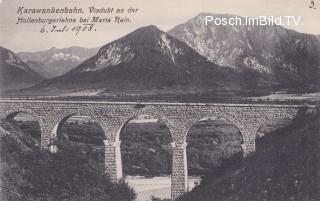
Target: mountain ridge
[
  {"x": 290, "y": 58},
  {"x": 144, "y": 60},
  {"x": 194, "y": 58},
  {"x": 14, "y": 73},
  {"x": 55, "y": 62}
]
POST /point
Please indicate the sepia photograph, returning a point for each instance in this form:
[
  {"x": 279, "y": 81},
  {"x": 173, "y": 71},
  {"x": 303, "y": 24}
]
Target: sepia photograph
[{"x": 172, "y": 100}]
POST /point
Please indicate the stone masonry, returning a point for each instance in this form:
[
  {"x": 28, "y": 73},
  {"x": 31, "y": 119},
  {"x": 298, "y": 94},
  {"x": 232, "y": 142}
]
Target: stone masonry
[{"x": 179, "y": 117}]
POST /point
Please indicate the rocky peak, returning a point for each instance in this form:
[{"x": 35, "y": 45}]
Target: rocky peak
[
  {"x": 285, "y": 54},
  {"x": 138, "y": 43}
]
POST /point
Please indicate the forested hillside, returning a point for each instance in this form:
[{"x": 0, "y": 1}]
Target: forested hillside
[
  {"x": 284, "y": 167},
  {"x": 28, "y": 174}
]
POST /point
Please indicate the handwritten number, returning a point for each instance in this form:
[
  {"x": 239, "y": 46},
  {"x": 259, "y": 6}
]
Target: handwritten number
[
  {"x": 43, "y": 29},
  {"x": 311, "y": 4},
  {"x": 90, "y": 26}
]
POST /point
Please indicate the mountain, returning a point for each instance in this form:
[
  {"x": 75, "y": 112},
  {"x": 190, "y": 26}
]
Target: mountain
[
  {"x": 54, "y": 62},
  {"x": 14, "y": 73},
  {"x": 145, "y": 61},
  {"x": 289, "y": 58}
]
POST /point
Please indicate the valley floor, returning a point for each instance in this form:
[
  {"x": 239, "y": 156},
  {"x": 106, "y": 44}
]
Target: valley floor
[
  {"x": 288, "y": 97},
  {"x": 156, "y": 186}
]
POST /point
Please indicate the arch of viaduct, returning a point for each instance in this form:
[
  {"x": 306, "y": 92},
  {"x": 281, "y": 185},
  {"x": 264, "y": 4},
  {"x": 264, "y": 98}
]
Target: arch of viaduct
[{"x": 179, "y": 117}]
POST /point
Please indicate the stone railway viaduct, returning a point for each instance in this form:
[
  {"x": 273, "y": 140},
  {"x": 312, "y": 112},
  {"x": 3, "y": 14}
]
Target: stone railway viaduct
[{"x": 178, "y": 117}]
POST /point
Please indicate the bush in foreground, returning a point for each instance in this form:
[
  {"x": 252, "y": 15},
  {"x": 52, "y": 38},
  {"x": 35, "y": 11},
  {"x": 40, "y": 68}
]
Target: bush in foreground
[{"x": 28, "y": 174}]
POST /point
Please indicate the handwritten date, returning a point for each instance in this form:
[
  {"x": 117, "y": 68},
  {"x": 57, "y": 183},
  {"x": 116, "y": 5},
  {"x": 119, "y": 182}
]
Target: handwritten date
[{"x": 67, "y": 28}]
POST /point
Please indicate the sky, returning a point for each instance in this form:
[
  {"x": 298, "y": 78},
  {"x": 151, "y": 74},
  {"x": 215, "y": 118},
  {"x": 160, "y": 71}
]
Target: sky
[{"x": 165, "y": 14}]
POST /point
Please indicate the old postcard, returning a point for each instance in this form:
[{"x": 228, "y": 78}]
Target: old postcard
[{"x": 144, "y": 100}]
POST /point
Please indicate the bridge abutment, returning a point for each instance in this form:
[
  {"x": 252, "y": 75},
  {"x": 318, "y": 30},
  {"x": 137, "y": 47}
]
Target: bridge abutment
[
  {"x": 113, "y": 163},
  {"x": 249, "y": 141},
  {"x": 248, "y": 127},
  {"x": 248, "y": 148},
  {"x": 179, "y": 176},
  {"x": 49, "y": 127}
]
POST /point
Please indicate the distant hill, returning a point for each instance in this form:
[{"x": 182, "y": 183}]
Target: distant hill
[
  {"x": 290, "y": 59},
  {"x": 14, "y": 73},
  {"x": 285, "y": 166},
  {"x": 145, "y": 61},
  {"x": 54, "y": 62}
]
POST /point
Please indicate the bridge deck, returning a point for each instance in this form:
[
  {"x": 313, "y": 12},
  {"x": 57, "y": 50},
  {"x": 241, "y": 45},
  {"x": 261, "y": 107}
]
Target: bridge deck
[{"x": 155, "y": 103}]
